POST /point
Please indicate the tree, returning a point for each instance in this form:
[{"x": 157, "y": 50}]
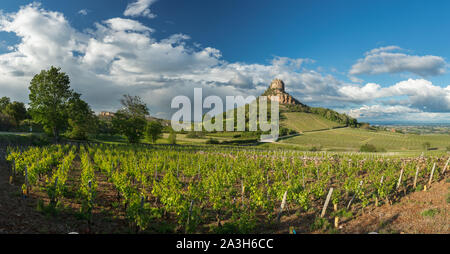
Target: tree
[
  {"x": 172, "y": 137},
  {"x": 129, "y": 126},
  {"x": 16, "y": 111},
  {"x": 426, "y": 145},
  {"x": 133, "y": 105},
  {"x": 130, "y": 120},
  {"x": 368, "y": 148},
  {"x": 154, "y": 130},
  {"x": 81, "y": 118},
  {"x": 4, "y": 102},
  {"x": 49, "y": 94}
]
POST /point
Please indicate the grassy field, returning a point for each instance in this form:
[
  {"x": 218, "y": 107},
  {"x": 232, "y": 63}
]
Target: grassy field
[
  {"x": 351, "y": 140},
  {"x": 304, "y": 122},
  {"x": 339, "y": 139}
]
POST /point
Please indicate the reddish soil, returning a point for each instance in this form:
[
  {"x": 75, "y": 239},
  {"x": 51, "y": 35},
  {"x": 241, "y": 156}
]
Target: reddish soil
[
  {"x": 422, "y": 212},
  {"x": 19, "y": 215}
]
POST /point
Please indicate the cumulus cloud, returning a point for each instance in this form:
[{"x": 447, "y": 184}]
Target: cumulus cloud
[
  {"x": 382, "y": 60},
  {"x": 416, "y": 93},
  {"x": 121, "y": 55},
  {"x": 140, "y": 8},
  {"x": 397, "y": 113},
  {"x": 375, "y": 111}
]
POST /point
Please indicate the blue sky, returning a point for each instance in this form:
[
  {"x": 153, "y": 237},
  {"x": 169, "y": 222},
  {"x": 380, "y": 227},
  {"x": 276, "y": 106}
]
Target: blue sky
[{"x": 375, "y": 60}]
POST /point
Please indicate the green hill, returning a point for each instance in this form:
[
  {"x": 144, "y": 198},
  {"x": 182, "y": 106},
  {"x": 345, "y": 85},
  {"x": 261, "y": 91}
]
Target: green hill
[
  {"x": 351, "y": 139},
  {"x": 304, "y": 122}
]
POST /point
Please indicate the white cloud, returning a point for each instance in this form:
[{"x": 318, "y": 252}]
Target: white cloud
[
  {"x": 360, "y": 94},
  {"x": 375, "y": 111},
  {"x": 140, "y": 8},
  {"x": 83, "y": 12},
  {"x": 397, "y": 113},
  {"x": 382, "y": 49},
  {"x": 121, "y": 56},
  {"x": 416, "y": 93},
  {"x": 381, "y": 60}
]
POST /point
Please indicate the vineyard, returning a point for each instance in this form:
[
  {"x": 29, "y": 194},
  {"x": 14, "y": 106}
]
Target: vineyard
[{"x": 217, "y": 190}]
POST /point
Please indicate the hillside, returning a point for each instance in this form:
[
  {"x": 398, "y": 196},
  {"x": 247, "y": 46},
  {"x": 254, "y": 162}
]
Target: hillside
[
  {"x": 304, "y": 122},
  {"x": 351, "y": 139},
  {"x": 296, "y": 116}
]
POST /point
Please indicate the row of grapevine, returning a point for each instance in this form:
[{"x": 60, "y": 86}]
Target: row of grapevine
[{"x": 230, "y": 190}]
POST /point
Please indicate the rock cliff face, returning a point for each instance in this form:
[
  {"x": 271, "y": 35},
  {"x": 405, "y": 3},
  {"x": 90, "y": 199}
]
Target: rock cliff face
[{"x": 276, "y": 89}]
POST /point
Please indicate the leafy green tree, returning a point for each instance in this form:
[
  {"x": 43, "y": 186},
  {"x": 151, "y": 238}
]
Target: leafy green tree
[
  {"x": 49, "y": 94},
  {"x": 6, "y": 122},
  {"x": 105, "y": 126},
  {"x": 368, "y": 148},
  {"x": 130, "y": 126},
  {"x": 172, "y": 137},
  {"x": 154, "y": 130},
  {"x": 4, "y": 102},
  {"x": 16, "y": 111},
  {"x": 130, "y": 121},
  {"x": 133, "y": 105},
  {"x": 82, "y": 119},
  {"x": 426, "y": 145}
]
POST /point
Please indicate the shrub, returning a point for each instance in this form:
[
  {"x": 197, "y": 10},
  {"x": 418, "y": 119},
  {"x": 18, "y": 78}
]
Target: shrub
[
  {"x": 154, "y": 130},
  {"x": 430, "y": 212},
  {"x": 172, "y": 137},
  {"x": 368, "y": 148},
  {"x": 195, "y": 134},
  {"x": 315, "y": 149},
  {"x": 320, "y": 224},
  {"x": 212, "y": 141}
]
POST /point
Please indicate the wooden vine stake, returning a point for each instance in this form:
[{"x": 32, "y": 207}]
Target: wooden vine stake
[
  {"x": 431, "y": 175},
  {"x": 381, "y": 185},
  {"x": 283, "y": 204},
  {"x": 13, "y": 173},
  {"x": 445, "y": 167},
  {"x": 26, "y": 181},
  {"x": 142, "y": 202},
  {"x": 399, "y": 179},
  {"x": 189, "y": 217},
  {"x": 336, "y": 222},
  {"x": 324, "y": 209},
  {"x": 242, "y": 192},
  {"x": 415, "y": 177},
  {"x": 351, "y": 200}
]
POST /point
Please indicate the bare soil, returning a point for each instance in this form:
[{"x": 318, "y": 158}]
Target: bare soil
[{"x": 421, "y": 212}]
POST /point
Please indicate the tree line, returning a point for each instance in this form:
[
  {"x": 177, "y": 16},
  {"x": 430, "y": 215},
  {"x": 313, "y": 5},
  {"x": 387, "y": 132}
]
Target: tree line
[{"x": 56, "y": 109}]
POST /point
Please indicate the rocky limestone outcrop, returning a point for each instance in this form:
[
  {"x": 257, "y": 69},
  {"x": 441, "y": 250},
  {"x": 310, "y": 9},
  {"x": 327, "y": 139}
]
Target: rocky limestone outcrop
[{"x": 276, "y": 89}]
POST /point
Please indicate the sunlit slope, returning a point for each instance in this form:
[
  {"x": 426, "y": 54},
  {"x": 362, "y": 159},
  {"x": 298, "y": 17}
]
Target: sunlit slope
[
  {"x": 352, "y": 139},
  {"x": 303, "y": 122}
]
